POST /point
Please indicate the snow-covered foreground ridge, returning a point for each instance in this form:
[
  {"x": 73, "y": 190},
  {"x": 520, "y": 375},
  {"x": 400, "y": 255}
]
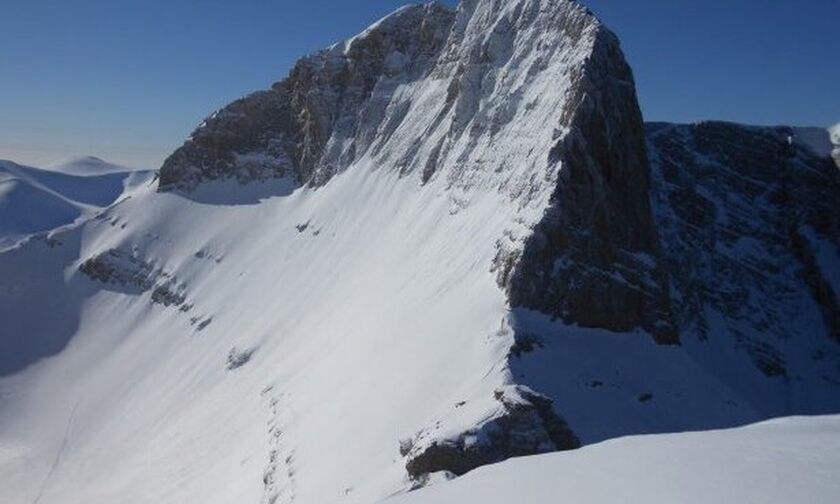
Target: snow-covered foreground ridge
[
  {"x": 781, "y": 461},
  {"x": 440, "y": 244}
]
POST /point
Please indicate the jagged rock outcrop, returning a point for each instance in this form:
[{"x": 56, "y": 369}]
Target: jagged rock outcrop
[
  {"x": 126, "y": 270},
  {"x": 528, "y": 425},
  {"x": 751, "y": 228},
  {"x": 121, "y": 268}
]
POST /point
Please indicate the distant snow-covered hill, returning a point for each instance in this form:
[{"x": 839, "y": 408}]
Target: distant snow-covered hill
[
  {"x": 88, "y": 165},
  {"x": 35, "y": 200}
]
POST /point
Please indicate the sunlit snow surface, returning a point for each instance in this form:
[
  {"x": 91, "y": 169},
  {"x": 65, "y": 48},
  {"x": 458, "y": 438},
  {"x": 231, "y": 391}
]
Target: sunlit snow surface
[
  {"x": 370, "y": 308},
  {"x": 778, "y": 462}
]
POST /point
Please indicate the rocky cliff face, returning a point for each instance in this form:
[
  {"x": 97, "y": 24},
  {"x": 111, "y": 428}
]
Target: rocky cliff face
[
  {"x": 751, "y": 228},
  {"x": 593, "y": 259}
]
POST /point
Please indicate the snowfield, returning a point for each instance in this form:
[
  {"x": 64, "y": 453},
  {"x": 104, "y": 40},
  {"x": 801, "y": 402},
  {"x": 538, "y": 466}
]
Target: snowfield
[{"x": 794, "y": 459}]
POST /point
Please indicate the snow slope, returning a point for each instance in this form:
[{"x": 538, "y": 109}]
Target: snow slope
[
  {"x": 777, "y": 462},
  {"x": 383, "y": 268}
]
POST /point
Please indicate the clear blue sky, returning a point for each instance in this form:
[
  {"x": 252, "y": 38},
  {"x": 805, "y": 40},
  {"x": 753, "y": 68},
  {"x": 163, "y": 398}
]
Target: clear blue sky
[{"x": 127, "y": 80}]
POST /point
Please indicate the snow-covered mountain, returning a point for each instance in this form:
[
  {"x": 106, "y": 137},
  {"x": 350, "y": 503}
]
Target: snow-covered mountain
[
  {"x": 87, "y": 166},
  {"x": 445, "y": 242}
]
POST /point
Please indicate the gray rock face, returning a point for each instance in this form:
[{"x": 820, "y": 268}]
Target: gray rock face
[
  {"x": 318, "y": 120},
  {"x": 750, "y": 224},
  {"x": 121, "y": 268},
  {"x": 593, "y": 260}
]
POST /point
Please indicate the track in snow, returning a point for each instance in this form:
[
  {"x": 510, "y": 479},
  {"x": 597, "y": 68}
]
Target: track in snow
[{"x": 57, "y": 461}]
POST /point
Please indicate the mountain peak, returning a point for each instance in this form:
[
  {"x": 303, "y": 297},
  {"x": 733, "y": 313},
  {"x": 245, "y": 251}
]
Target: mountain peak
[
  {"x": 513, "y": 100},
  {"x": 429, "y": 93},
  {"x": 87, "y": 165},
  {"x": 342, "y": 105}
]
